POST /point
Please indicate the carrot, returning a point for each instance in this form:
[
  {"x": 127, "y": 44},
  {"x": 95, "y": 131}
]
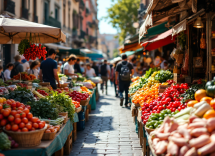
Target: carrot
[
  {"x": 178, "y": 141},
  {"x": 183, "y": 150},
  {"x": 184, "y": 132},
  {"x": 191, "y": 152},
  {"x": 200, "y": 141},
  {"x": 172, "y": 149},
  {"x": 199, "y": 131},
  {"x": 211, "y": 124},
  {"x": 197, "y": 125},
  {"x": 162, "y": 148},
  {"x": 161, "y": 136},
  {"x": 207, "y": 149}
]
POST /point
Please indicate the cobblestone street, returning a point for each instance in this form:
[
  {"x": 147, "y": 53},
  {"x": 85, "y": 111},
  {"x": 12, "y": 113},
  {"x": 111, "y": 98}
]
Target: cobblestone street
[{"x": 110, "y": 131}]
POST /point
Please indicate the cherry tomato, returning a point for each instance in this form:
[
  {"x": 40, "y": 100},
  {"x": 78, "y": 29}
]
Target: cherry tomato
[
  {"x": 9, "y": 102},
  {"x": 17, "y": 120},
  {"x": 14, "y": 127},
  {"x": 8, "y": 127},
  {"x": 41, "y": 125},
  {"x": 13, "y": 104},
  {"x": 35, "y": 125},
  {"x": 17, "y": 116},
  {"x": 6, "y": 112},
  {"x": 13, "y": 112},
  {"x": 19, "y": 111},
  {"x": 29, "y": 115},
  {"x": 25, "y": 120},
  {"x": 3, "y": 122},
  {"x": 20, "y": 108},
  {"x": 29, "y": 107},
  {"x": 10, "y": 118},
  {"x": 24, "y": 129},
  {"x": 1, "y": 106},
  {"x": 34, "y": 119},
  {"x": 21, "y": 125},
  {"x": 28, "y": 126},
  {"x": 22, "y": 114},
  {"x": 26, "y": 110},
  {"x": 19, "y": 130},
  {"x": 1, "y": 116},
  {"x": 18, "y": 104}
]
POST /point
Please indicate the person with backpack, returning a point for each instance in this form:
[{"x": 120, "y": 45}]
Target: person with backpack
[
  {"x": 105, "y": 73},
  {"x": 124, "y": 72},
  {"x": 18, "y": 68}
]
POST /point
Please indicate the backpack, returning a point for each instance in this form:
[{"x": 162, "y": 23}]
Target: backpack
[
  {"x": 103, "y": 70},
  {"x": 125, "y": 73}
]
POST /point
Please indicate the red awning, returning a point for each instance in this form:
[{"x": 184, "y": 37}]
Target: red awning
[{"x": 159, "y": 41}]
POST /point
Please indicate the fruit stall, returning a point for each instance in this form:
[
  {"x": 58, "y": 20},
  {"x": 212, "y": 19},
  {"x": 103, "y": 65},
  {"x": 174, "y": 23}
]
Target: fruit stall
[{"x": 173, "y": 118}]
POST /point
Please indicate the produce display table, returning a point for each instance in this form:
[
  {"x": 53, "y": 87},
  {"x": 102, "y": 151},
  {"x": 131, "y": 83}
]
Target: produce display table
[
  {"x": 93, "y": 99},
  {"x": 46, "y": 148}
]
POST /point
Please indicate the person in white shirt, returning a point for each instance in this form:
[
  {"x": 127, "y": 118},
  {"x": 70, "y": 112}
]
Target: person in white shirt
[
  {"x": 25, "y": 65},
  {"x": 8, "y": 71},
  {"x": 34, "y": 68},
  {"x": 68, "y": 66},
  {"x": 90, "y": 72}
]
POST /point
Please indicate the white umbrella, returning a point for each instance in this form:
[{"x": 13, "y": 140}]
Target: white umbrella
[{"x": 13, "y": 30}]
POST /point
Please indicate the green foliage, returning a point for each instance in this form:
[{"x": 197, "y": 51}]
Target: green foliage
[
  {"x": 22, "y": 95},
  {"x": 115, "y": 53},
  {"x": 44, "y": 109},
  {"x": 163, "y": 76},
  {"x": 23, "y": 45},
  {"x": 65, "y": 102},
  {"x": 122, "y": 14},
  {"x": 5, "y": 143}
]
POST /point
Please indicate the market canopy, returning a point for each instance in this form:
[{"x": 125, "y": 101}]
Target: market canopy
[
  {"x": 128, "y": 53},
  {"x": 13, "y": 30},
  {"x": 95, "y": 56},
  {"x": 72, "y": 51},
  {"x": 159, "y": 41},
  {"x": 57, "y": 46}
]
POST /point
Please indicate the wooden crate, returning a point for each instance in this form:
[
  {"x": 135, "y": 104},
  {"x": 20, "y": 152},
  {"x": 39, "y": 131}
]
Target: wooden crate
[
  {"x": 68, "y": 145},
  {"x": 74, "y": 132},
  {"x": 87, "y": 114},
  {"x": 59, "y": 153}
]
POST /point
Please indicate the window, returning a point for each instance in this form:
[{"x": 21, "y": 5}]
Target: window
[
  {"x": 56, "y": 13},
  {"x": 46, "y": 12},
  {"x": 35, "y": 8}
]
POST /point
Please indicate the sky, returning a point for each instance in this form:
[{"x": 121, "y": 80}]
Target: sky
[{"x": 104, "y": 26}]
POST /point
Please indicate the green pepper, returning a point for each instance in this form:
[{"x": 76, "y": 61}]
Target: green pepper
[{"x": 210, "y": 88}]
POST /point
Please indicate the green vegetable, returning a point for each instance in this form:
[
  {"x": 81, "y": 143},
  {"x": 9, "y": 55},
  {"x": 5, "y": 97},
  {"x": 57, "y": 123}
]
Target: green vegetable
[
  {"x": 36, "y": 81},
  {"x": 183, "y": 118},
  {"x": 64, "y": 101},
  {"x": 23, "y": 45},
  {"x": 44, "y": 109},
  {"x": 22, "y": 95},
  {"x": 163, "y": 76},
  {"x": 80, "y": 77},
  {"x": 58, "y": 121},
  {"x": 210, "y": 88},
  {"x": 5, "y": 143},
  {"x": 183, "y": 112}
]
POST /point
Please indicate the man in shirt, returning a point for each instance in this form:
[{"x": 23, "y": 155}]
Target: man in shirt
[
  {"x": 124, "y": 72},
  {"x": 68, "y": 66},
  {"x": 105, "y": 74},
  {"x": 48, "y": 70},
  {"x": 18, "y": 68},
  {"x": 77, "y": 67}
]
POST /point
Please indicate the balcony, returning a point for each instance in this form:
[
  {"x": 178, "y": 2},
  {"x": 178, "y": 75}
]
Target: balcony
[
  {"x": 87, "y": 11},
  {"x": 10, "y": 7},
  {"x": 81, "y": 5},
  {"x": 25, "y": 13},
  {"x": 35, "y": 19},
  {"x": 53, "y": 22},
  {"x": 82, "y": 34}
]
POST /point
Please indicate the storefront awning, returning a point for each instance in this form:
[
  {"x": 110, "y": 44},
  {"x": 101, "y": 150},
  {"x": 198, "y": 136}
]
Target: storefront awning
[
  {"x": 128, "y": 53},
  {"x": 159, "y": 41},
  {"x": 57, "y": 46},
  {"x": 143, "y": 29},
  {"x": 95, "y": 56},
  {"x": 139, "y": 50},
  {"x": 72, "y": 51}
]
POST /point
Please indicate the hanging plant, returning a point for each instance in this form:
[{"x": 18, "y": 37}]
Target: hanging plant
[{"x": 182, "y": 40}]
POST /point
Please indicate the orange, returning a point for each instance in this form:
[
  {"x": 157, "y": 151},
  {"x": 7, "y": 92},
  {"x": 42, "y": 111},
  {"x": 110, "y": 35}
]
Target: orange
[
  {"x": 212, "y": 103},
  {"x": 209, "y": 114},
  {"x": 191, "y": 103},
  {"x": 199, "y": 94},
  {"x": 207, "y": 99}
]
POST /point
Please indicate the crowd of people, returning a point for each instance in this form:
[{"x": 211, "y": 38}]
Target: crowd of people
[{"x": 119, "y": 73}]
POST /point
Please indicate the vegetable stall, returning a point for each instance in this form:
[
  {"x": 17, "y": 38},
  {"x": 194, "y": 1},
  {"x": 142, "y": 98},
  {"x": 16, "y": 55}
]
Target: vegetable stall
[
  {"x": 34, "y": 118},
  {"x": 171, "y": 118}
]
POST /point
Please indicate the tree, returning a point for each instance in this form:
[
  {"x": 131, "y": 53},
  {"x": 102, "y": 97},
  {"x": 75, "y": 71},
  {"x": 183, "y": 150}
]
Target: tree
[
  {"x": 122, "y": 15},
  {"x": 115, "y": 53}
]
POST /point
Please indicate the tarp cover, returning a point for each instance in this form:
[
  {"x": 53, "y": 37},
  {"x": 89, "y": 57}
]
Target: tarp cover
[{"x": 12, "y": 31}]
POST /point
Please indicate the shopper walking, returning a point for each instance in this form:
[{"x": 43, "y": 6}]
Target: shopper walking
[
  {"x": 124, "y": 72},
  {"x": 48, "y": 70},
  {"x": 105, "y": 74},
  {"x": 90, "y": 72},
  {"x": 17, "y": 66},
  {"x": 68, "y": 66}
]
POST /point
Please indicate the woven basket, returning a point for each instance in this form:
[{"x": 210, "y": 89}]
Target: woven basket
[
  {"x": 85, "y": 102},
  {"x": 149, "y": 130},
  {"x": 65, "y": 115},
  {"x": 77, "y": 110},
  {"x": 49, "y": 136},
  {"x": 27, "y": 139}
]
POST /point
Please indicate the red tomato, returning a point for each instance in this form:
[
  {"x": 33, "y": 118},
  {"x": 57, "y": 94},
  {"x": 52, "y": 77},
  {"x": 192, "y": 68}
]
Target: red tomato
[
  {"x": 3, "y": 122},
  {"x": 29, "y": 107},
  {"x": 24, "y": 129},
  {"x": 6, "y": 112},
  {"x": 8, "y": 127},
  {"x": 21, "y": 125},
  {"x": 19, "y": 111},
  {"x": 43, "y": 122},
  {"x": 41, "y": 125},
  {"x": 38, "y": 121},
  {"x": 33, "y": 129},
  {"x": 22, "y": 114},
  {"x": 35, "y": 125},
  {"x": 13, "y": 104},
  {"x": 19, "y": 130},
  {"x": 17, "y": 120},
  {"x": 14, "y": 127},
  {"x": 20, "y": 108},
  {"x": 17, "y": 116},
  {"x": 26, "y": 110},
  {"x": 29, "y": 115},
  {"x": 25, "y": 120},
  {"x": 1, "y": 116},
  {"x": 22, "y": 105},
  {"x": 10, "y": 118},
  {"x": 9, "y": 102},
  {"x": 34, "y": 119},
  {"x": 13, "y": 112},
  {"x": 1, "y": 106},
  {"x": 18, "y": 104},
  {"x": 28, "y": 126}
]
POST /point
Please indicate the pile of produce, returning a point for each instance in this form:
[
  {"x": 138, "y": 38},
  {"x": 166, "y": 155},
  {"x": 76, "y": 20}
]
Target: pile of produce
[
  {"x": 22, "y": 95},
  {"x": 23, "y": 85},
  {"x": 24, "y": 76},
  {"x": 197, "y": 137},
  {"x": 80, "y": 77},
  {"x": 76, "y": 103},
  {"x": 51, "y": 128},
  {"x": 42, "y": 92},
  {"x": 84, "y": 89},
  {"x": 6, "y": 142},
  {"x": 15, "y": 116},
  {"x": 77, "y": 96},
  {"x": 64, "y": 101},
  {"x": 44, "y": 109},
  {"x": 163, "y": 76}
]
